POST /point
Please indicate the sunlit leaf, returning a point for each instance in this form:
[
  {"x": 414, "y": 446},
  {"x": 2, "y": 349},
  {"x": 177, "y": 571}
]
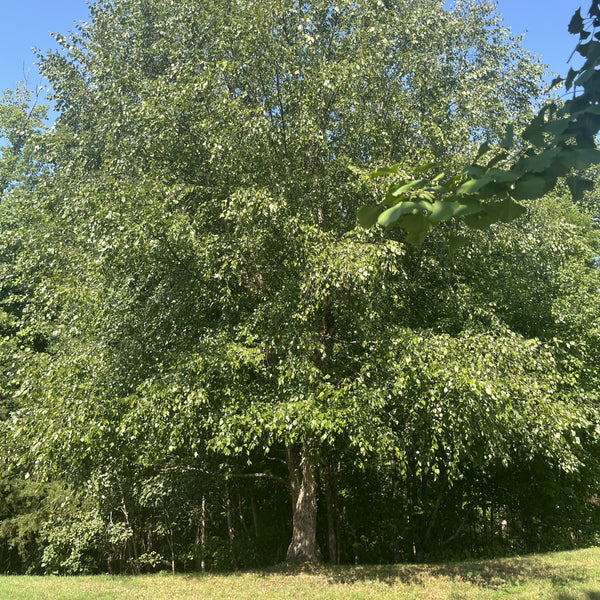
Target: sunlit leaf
[
  {"x": 383, "y": 171},
  {"x": 442, "y": 211},
  {"x": 472, "y": 186},
  {"x": 391, "y": 215}
]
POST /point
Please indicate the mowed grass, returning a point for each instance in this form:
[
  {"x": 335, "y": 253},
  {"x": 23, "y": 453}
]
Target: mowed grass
[{"x": 557, "y": 576}]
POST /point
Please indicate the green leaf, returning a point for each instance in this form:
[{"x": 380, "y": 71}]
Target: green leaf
[
  {"x": 508, "y": 210},
  {"x": 557, "y": 169},
  {"x": 594, "y": 109},
  {"x": 444, "y": 210},
  {"x": 472, "y": 186},
  {"x": 580, "y": 159},
  {"x": 540, "y": 162},
  {"x": 557, "y": 126},
  {"x": 534, "y": 133},
  {"x": 576, "y": 23},
  {"x": 579, "y": 185},
  {"x": 455, "y": 243},
  {"x": 367, "y": 215},
  {"x": 454, "y": 182},
  {"x": 589, "y": 50},
  {"x": 570, "y": 77},
  {"x": 489, "y": 176},
  {"x": 478, "y": 221},
  {"x": 411, "y": 185},
  {"x": 417, "y": 227},
  {"x": 504, "y": 211},
  {"x": 485, "y": 147},
  {"x": 492, "y": 190},
  {"x": 391, "y": 215},
  {"x": 396, "y": 191},
  {"x": 496, "y": 159},
  {"x": 392, "y": 170},
  {"x": 423, "y": 168},
  {"x": 508, "y": 140},
  {"x": 501, "y": 176},
  {"x": 529, "y": 188},
  {"x": 475, "y": 171}
]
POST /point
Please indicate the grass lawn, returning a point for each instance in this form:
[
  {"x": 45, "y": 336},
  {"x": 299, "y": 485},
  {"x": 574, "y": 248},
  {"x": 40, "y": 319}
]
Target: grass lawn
[{"x": 557, "y": 576}]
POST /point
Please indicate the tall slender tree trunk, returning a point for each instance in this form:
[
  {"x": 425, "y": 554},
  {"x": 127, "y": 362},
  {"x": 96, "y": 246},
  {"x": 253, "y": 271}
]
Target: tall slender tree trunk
[
  {"x": 131, "y": 541},
  {"x": 333, "y": 520},
  {"x": 303, "y": 484},
  {"x": 230, "y": 530},
  {"x": 201, "y": 538},
  {"x": 171, "y": 541},
  {"x": 254, "y": 514}
]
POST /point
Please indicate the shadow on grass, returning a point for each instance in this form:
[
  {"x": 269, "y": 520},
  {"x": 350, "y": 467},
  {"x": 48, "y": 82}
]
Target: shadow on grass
[
  {"x": 587, "y": 596},
  {"x": 485, "y": 574}
]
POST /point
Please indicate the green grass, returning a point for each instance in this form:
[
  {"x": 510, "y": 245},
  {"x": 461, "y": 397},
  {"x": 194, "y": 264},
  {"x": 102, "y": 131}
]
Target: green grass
[{"x": 557, "y": 576}]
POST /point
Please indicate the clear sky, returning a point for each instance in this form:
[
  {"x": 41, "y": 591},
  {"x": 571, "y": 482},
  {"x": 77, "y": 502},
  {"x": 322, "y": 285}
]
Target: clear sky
[
  {"x": 25, "y": 24},
  {"x": 544, "y": 23}
]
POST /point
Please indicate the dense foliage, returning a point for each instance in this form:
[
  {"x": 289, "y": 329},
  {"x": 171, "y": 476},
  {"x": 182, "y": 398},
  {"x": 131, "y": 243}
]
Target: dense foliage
[{"x": 195, "y": 331}]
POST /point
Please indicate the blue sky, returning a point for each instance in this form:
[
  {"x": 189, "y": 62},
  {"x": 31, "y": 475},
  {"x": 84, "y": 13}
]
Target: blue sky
[
  {"x": 28, "y": 23},
  {"x": 25, "y": 24},
  {"x": 544, "y": 23}
]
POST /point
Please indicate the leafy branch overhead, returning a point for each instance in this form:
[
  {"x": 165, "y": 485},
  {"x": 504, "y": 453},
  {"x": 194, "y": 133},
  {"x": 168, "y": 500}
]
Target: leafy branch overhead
[{"x": 560, "y": 141}]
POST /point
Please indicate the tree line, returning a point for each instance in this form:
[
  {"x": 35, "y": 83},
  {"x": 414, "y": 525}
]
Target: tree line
[{"x": 208, "y": 364}]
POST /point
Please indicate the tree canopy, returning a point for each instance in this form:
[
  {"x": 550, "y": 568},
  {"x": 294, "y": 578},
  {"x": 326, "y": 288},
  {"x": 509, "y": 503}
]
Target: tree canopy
[{"x": 196, "y": 331}]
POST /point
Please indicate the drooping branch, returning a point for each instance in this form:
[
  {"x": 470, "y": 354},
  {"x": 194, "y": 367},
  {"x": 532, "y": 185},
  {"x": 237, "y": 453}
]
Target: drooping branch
[{"x": 559, "y": 142}]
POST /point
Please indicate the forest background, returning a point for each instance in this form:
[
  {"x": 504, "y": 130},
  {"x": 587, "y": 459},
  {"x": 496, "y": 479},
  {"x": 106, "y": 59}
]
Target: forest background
[{"x": 204, "y": 356}]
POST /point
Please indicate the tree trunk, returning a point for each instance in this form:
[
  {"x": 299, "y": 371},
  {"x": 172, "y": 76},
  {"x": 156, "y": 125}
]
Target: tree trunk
[
  {"x": 303, "y": 547},
  {"x": 254, "y": 514},
  {"x": 201, "y": 538},
  {"x": 230, "y": 530},
  {"x": 333, "y": 521},
  {"x": 131, "y": 542},
  {"x": 171, "y": 541}
]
